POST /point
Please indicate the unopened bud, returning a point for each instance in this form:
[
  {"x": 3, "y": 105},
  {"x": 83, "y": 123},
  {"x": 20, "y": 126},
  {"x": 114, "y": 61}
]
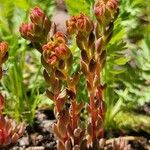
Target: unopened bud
[
  {"x": 80, "y": 23},
  {"x": 1, "y": 102},
  {"x": 105, "y": 10},
  {"x": 37, "y": 16},
  {"x": 3, "y": 51},
  {"x": 26, "y": 30},
  {"x": 60, "y": 37},
  {"x": 52, "y": 59},
  {"x": 61, "y": 51},
  {"x": 71, "y": 25}
]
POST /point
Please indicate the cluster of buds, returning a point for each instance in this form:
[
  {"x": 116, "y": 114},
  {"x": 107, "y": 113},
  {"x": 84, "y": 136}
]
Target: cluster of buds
[
  {"x": 56, "y": 49},
  {"x": 10, "y": 131},
  {"x": 105, "y": 11},
  {"x": 79, "y": 23},
  {"x": 38, "y": 30}
]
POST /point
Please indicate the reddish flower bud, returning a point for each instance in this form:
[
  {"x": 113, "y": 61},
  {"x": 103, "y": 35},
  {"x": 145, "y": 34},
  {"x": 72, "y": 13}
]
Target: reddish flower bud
[
  {"x": 3, "y": 55},
  {"x": 37, "y": 16},
  {"x": 79, "y": 23},
  {"x": 112, "y": 4},
  {"x": 1, "y": 102},
  {"x": 105, "y": 10},
  {"x": 71, "y": 25},
  {"x": 59, "y": 34},
  {"x": 26, "y": 30},
  {"x": 47, "y": 47},
  {"x": 61, "y": 50},
  {"x": 84, "y": 23},
  {"x": 52, "y": 59},
  {"x": 60, "y": 37},
  {"x": 56, "y": 49},
  {"x": 99, "y": 10},
  {"x": 3, "y": 49}
]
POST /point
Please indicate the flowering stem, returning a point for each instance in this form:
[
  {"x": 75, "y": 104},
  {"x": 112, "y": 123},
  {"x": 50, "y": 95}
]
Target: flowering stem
[{"x": 93, "y": 117}]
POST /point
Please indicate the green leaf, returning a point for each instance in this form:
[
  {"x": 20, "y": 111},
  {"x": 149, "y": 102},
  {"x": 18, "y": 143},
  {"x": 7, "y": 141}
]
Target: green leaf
[
  {"x": 119, "y": 71},
  {"x": 77, "y": 6},
  {"x": 121, "y": 61}
]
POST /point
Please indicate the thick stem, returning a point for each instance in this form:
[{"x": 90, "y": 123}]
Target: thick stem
[
  {"x": 74, "y": 121},
  {"x": 74, "y": 116},
  {"x": 57, "y": 104},
  {"x": 93, "y": 114}
]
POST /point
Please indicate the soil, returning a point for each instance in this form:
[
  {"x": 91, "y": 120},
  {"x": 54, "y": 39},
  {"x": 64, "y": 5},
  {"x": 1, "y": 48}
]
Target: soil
[{"x": 39, "y": 136}]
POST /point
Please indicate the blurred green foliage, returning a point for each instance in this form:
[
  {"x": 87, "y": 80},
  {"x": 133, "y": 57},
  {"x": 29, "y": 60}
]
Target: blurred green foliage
[
  {"x": 77, "y": 6},
  {"x": 22, "y": 82},
  {"x": 130, "y": 86}
]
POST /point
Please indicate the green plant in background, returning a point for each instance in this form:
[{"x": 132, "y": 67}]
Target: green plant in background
[
  {"x": 135, "y": 20},
  {"x": 128, "y": 80},
  {"x": 138, "y": 67},
  {"x": 75, "y": 8},
  {"x": 22, "y": 82},
  {"x": 10, "y": 131}
]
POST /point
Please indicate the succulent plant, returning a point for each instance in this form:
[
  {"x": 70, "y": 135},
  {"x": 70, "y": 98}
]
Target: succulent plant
[
  {"x": 117, "y": 144},
  {"x": 92, "y": 38}
]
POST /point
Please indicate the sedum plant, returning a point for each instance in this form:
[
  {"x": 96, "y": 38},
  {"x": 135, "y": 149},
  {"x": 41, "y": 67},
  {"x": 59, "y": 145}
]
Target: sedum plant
[
  {"x": 92, "y": 37},
  {"x": 10, "y": 131}
]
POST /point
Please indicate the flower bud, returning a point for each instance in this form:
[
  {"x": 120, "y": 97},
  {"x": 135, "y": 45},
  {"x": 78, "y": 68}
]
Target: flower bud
[
  {"x": 1, "y": 102},
  {"x": 62, "y": 51},
  {"x": 84, "y": 23},
  {"x": 3, "y": 51},
  {"x": 56, "y": 49},
  {"x": 46, "y": 26},
  {"x": 52, "y": 59},
  {"x": 60, "y": 37},
  {"x": 47, "y": 47},
  {"x": 71, "y": 25},
  {"x": 80, "y": 23},
  {"x": 26, "y": 31},
  {"x": 105, "y": 10},
  {"x": 37, "y": 16},
  {"x": 112, "y": 5}
]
